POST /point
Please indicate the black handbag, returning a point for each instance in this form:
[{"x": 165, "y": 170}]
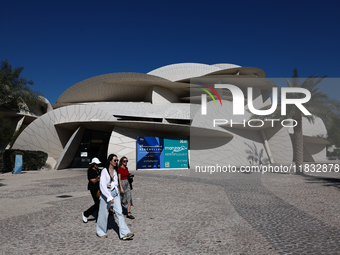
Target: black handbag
[{"x": 130, "y": 179}]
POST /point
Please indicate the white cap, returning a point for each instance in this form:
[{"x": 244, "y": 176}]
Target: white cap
[{"x": 95, "y": 160}]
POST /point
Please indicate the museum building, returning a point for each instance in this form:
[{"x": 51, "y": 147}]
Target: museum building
[{"x": 107, "y": 113}]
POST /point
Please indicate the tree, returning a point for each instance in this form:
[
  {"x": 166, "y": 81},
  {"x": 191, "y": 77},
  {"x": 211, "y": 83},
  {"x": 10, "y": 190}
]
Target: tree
[
  {"x": 334, "y": 132},
  {"x": 15, "y": 93},
  {"x": 16, "y": 96},
  {"x": 320, "y": 105},
  {"x": 6, "y": 131}
]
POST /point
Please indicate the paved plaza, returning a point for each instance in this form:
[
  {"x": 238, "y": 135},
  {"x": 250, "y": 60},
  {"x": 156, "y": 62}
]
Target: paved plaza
[{"x": 176, "y": 212}]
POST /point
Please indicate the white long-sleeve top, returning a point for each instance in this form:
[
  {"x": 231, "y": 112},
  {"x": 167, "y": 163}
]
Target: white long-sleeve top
[{"x": 105, "y": 180}]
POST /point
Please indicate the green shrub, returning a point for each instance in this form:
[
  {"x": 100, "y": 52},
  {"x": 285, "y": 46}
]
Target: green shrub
[{"x": 32, "y": 160}]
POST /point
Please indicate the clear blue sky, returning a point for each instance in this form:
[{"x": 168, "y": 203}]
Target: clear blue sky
[{"x": 60, "y": 43}]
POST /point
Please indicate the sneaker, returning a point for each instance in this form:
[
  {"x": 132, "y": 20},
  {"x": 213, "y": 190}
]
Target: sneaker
[
  {"x": 104, "y": 236},
  {"x": 128, "y": 236},
  {"x": 84, "y": 218}
]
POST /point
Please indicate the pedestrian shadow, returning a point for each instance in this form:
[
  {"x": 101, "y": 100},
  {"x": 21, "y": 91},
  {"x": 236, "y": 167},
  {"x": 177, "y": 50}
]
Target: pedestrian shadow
[
  {"x": 111, "y": 224},
  {"x": 326, "y": 181},
  {"x": 1, "y": 184}
]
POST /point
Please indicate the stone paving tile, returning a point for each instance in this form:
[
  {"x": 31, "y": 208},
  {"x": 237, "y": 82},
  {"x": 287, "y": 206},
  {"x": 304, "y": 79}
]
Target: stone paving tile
[
  {"x": 289, "y": 229},
  {"x": 46, "y": 187},
  {"x": 316, "y": 195},
  {"x": 172, "y": 216},
  {"x": 175, "y": 213}
]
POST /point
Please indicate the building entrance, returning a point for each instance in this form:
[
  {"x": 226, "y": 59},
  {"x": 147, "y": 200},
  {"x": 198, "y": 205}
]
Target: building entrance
[{"x": 93, "y": 144}]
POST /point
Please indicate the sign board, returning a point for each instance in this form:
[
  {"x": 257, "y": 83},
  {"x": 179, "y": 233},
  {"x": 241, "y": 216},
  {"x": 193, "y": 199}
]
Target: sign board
[
  {"x": 160, "y": 153},
  {"x": 18, "y": 164},
  {"x": 149, "y": 151},
  {"x": 175, "y": 153}
]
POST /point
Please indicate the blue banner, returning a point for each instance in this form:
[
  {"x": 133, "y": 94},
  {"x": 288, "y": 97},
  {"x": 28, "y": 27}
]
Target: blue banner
[
  {"x": 149, "y": 151},
  {"x": 18, "y": 164},
  {"x": 159, "y": 152}
]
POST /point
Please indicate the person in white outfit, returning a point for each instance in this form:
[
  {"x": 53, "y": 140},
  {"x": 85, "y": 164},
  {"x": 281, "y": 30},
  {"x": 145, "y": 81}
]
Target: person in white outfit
[{"x": 110, "y": 197}]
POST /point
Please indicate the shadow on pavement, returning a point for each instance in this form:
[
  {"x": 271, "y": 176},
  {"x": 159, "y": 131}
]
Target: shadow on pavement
[
  {"x": 112, "y": 224},
  {"x": 326, "y": 181},
  {"x": 1, "y": 184}
]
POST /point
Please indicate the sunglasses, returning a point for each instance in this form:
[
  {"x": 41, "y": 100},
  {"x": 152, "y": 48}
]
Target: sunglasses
[
  {"x": 125, "y": 161},
  {"x": 116, "y": 160}
]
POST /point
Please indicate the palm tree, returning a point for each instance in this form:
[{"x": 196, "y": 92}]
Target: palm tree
[
  {"x": 320, "y": 105},
  {"x": 15, "y": 94}
]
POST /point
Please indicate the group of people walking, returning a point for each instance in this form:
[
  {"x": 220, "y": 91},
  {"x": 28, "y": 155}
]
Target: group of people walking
[{"x": 114, "y": 185}]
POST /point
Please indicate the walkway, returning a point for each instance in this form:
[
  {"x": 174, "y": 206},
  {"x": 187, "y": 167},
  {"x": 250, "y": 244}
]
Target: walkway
[{"x": 176, "y": 212}]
